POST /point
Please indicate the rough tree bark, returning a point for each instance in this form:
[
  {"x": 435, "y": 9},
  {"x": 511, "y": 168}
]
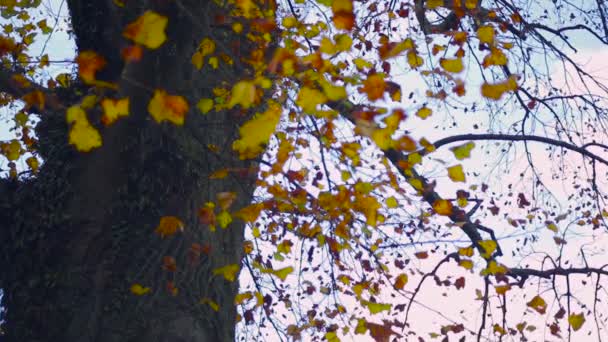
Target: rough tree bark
[{"x": 75, "y": 237}]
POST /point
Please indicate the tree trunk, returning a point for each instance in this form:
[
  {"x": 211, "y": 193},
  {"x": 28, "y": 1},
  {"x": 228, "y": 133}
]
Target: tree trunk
[{"x": 82, "y": 232}]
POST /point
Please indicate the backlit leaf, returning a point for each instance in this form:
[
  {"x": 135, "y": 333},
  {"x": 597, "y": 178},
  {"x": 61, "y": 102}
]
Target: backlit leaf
[
  {"x": 452, "y": 65},
  {"x": 424, "y": 112},
  {"x": 539, "y": 304},
  {"x": 495, "y": 91},
  {"x": 489, "y": 246},
  {"x": 463, "y": 151},
  {"x": 375, "y": 308},
  {"x": 486, "y": 34},
  {"x": 576, "y": 321}
]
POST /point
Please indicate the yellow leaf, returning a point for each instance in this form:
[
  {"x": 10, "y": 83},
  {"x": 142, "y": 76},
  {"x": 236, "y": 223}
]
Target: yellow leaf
[
  {"x": 205, "y": 105},
  {"x": 214, "y": 62},
  {"x": 33, "y": 163},
  {"x": 424, "y": 112},
  {"x": 206, "y": 47},
  {"x": 229, "y": 272},
  {"x": 486, "y": 34},
  {"x": 456, "y": 174},
  {"x": 468, "y": 264},
  {"x": 451, "y": 65},
  {"x": 498, "y": 329},
  {"x": 243, "y": 93},
  {"x": 64, "y": 80},
  {"x": 139, "y": 290},
  {"x": 463, "y": 151},
  {"x": 223, "y": 219},
  {"x": 82, "y": 134},
  {"x": 168, "y": 226},
  {"x": 576, "y": 321},
  {"x": 283, "y": 272},
  {"x": 13, "y": 150},
  {"x": 289, "y": 22},
  {"x": 285, "y": 247},
  {"x": 164, "y": 107},
  {"x": 391, "y": 202},
  {"x": 375, "y": 308},
  {"x": 552, "y": 227},
  {"x": 401, "y": 281},
  {"x": 502, "y": 289},
  {"x": 496, "y": 57},
  {"x": 494, "y": 268},
  {"x": 361, "y": 63},
  {"x": 309, "y": 99},
  {"x": 331, "y": 336},
  {"x": 466, "y": 251},
  {"x": 114, "y": 109},
  {"x": 432, "y": 4},
  {"x": 148, "y": 30},
  {"x": 539, "y": 304},
  {"x": 413, "y": 59},
  {"x": 256, "y": 132},
  {"x": 443, "y": 207},
  {"x": 211, "y": 303},
  {"x": 333, "y": 92},
  {"x": 343, "y": 42},
  {"x": 495, "y": 91},
  {"x": 256, "y": 232},
  {"x": 242, "y": 297},
  {"x": 374, "y": 87},
  {"x": 488, "y": 246},
  {"x": 361, "y": 326}
]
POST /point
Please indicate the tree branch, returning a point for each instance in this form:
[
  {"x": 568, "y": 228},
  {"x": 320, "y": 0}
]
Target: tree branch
[{"x": 519, "y": 137}]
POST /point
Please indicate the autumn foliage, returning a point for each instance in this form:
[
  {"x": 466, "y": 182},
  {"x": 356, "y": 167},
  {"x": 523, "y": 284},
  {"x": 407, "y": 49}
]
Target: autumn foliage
[{"x": 361, "y": 216}]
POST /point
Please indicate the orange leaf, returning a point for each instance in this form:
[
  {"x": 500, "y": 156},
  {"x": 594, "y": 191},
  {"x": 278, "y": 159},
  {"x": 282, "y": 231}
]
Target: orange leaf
[
  {"x": 89, "y": 62},
  {"x": 169, "y": 225},
  {"x": 132, "y": 53},
  {"x": 374, "y": 87},
  {"x": 421, "y": 255},
  {"x": 164, "y": 107},
  {"x": 401, "y": 281}
]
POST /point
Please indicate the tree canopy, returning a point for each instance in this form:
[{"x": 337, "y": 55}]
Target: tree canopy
[{"x": 304, "y": 170}]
